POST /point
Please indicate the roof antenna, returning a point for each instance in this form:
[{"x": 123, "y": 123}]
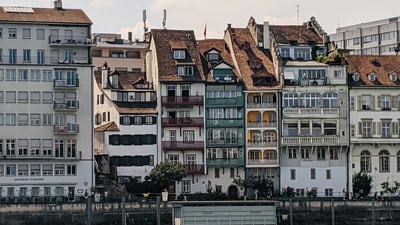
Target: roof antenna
[
  {"x": 164, "y": 22},
  {"x": 144, "y": 24}
]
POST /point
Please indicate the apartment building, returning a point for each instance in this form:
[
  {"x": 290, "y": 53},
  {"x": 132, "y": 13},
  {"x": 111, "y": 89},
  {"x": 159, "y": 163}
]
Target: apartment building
[
  {"x": 374, "y": 118},
  {"x": 224, "y": 115},
  {"x": 46, "y": 79},
  {"x": 379, "y": 37},
  {"x": 314, "y": 138},
  {"x": 174, "y": 66}
]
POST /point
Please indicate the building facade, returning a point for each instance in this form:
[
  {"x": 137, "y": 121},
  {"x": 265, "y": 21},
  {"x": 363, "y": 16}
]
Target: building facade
[
  {"x": 379, "y": 37},
  {"x": 45, "y": 74}
]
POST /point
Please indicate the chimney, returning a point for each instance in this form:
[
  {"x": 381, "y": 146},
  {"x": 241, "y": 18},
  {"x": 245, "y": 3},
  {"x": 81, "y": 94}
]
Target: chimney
[
  {"x": 104, "y": 76},
  {"x": 266, "y": 35},
  {"x": 130, "y": 36},
  {"x": 58, "y": 4}
]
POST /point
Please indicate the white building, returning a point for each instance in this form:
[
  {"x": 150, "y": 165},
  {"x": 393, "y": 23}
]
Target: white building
[
  {"x": 379, "y": 37},
  {"x": 46, "y": 97}
]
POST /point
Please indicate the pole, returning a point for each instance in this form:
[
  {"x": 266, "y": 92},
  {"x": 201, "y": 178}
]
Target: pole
[
  {"x": 123, "y": 211},
  {"x": 291, "y": 211},
  {"x": 89, "y": 211},
  {"x": 158, "y": 211},
  {"x": 333, "y": 212},
  {"x": 373, "y": 212}
]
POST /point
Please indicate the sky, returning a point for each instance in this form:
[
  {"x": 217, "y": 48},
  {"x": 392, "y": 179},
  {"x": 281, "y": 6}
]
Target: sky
[{"x": 122, "y": 16}]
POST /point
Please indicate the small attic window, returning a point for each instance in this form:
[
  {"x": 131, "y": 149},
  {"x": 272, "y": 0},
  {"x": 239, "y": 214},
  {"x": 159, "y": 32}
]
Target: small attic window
[
  {"x": 371, "y": 76},
  {"x": 255, "y": 63},
  {"x": 393, "y": 76},
  {"x": 246, "y": 46},
  {"x": 376, "y": 63},
  {"x": 179, "y": 54},
  {"x": 213, "y": 57},
  {"x": 356, "y": 76}
]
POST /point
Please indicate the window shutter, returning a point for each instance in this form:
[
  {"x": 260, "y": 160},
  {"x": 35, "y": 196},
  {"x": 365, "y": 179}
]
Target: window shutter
[
  {"x": 359, "y": 105},
  {"x": 143, "y": 120},
  {"x": 394, "y": 102},
  {"x": 121, "y": 120},
  {"x": 359, "y": 128},
  {"x": 395, "y": 128},
  {"x": 372, "y": 102},
  {"x": 154, "y": 120},
  {"x": 379, "y": 102},
  {"x": 373, "y": 131},
  {"x": 132, "y": 120},
  {"x": 379, "y": 126}
]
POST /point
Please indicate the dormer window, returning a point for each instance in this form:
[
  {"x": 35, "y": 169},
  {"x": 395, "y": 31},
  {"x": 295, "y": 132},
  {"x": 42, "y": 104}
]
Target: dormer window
[
  {"x": 185, "y": 70},
  {"x": 356, "y": 76},
  {"x": 255, "y": 63},
  {"x": 393, "y": 76},
  {"x": 115, "y": 80},
  {"x": 371, "y": 76},
  {"x": 213, "y": 57},
  {"x": 179, "y": 54}
]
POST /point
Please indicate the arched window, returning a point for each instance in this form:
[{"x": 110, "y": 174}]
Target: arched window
[
  {"x": 270, "y": 155},
  {"x": 384, "y": 161},
  {"x": 365, "y": 161}
]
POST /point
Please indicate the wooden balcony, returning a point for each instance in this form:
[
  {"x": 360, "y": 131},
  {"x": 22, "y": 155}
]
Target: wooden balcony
[
  {"x": 183, "y": 146},
  {"x": 183, "y": 122},
  {"x": 181, "y": 100},
  {"x": 194, "y": 168}
]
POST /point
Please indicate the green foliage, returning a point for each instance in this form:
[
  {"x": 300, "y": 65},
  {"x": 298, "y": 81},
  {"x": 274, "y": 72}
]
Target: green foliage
[
  {"x": 390, "y": 189},
  {"x": 362, "y": 183},
  {"x": 166, "y": 173},
  {"x": 264, "y": 186},
  {"x": 333, "y": 57}
]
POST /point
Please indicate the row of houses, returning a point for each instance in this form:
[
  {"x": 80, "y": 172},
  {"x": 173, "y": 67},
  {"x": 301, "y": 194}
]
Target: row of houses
[{"x": 269, "y": 102}]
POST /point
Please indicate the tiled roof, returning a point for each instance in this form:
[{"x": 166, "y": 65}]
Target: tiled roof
[
  {"x": 137, "y": 110},
  {"x": 207, "y": 45},
  {"x": 126, "y": 79},
  {"x": 46, "y": 15},
  {"x": 382, "y": 66},
  {"x": 302, "y": 34},
  {"x": 165, "y": 41},
  {"x": 240, "y": 37},
  {"x": 111, "y": 126}
]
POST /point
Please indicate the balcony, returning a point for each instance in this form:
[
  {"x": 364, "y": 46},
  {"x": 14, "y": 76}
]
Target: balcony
[
  {"x": 66, "y": 106},
  {"x": 66, "y": 84},
  {"x": 183, "y": 122},
  {"x": 181, "y": 100},
  {"x": 69, "y": 41},
  {"x": 220, "y": 162},
  {"x": 256, "y": 144},
  {"x": 66, "y": 129},
  {"x": 262, "y": 162},
  {"x": 225, "y": 101},
  {"x": 34, "y": 60},
  {"x": 77, "y": 156},
  {"x": 258, "y": 124},
  {"x": 183, "y": 146},
  {"x": 194, "y": 168},
  {"x": 288, "y": 112},
  {"x": 310, "y": 140},
  {"x": 261, "y": 105},
  {"x": 225, "y": 122}
]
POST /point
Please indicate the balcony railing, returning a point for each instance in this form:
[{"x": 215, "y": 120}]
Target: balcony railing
[
  {"x": 262, "y": 162},
  {"x": 310, "y": 111},
  {"x": 34, "y": 60},
  {"x": 213, "y": 162},
  {"x": 251, "y": 105},
  {"x": 66, "y": 106},
  {"x": 60, "y": 40},
  {"x": 194, "y": 168},
  {"x": 77, "y": 156},
  {"x": 225, "y": 122},
  {"x": 183, "y": 146},
  {"x": 181, "y": 100},
  {"x": 310, "y": 140},
  {"x": 66, "y": 129},
  {"x": 183, "y": 122},
  {"x": 73, "y": 83},
  {"x": 225, "y": 101},
  {"x": 261, "y": 144},
  {"x": 261, "y": 124}
]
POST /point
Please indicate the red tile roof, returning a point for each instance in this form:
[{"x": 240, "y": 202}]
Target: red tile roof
[
  {"x": 302, "y": 34},
  {"x": 165, "y": 41},
  {"x": 383, "y": 66}
]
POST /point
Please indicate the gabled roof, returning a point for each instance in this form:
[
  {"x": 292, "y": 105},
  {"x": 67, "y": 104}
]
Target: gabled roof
[
  {"x": 165, "y": 41},
  {"x": 127, "y": 80},
  {"x": 240, "y": 36},
  {"x": 46, "y": 15},
  {"x": 382, "y": 66},
  {"x": 219, "y": 45},
  {"x": 111, "y": 126},
  {"x": 303, "y": 34}
]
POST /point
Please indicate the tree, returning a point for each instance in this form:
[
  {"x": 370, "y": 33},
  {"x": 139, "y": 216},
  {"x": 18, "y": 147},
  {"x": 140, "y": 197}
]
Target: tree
[
  {"x": 362, "y": 183},
  {"x": 166, "y": 173},
  {"x": 390, "y": 189}
]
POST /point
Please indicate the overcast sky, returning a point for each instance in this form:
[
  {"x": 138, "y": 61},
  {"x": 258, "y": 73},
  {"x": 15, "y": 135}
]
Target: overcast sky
[{"x": 121, "y": 16}]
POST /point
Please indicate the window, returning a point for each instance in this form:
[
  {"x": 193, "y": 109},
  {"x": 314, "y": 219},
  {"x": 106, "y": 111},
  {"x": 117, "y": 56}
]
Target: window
[
  {"x": 40, "y": 34},
  {"x": 126, "y": 120},
  {"x": 12, "y": 56},
  {"x": 293, "y": 174},
  {"x": 22, "y": 75},
  {"x": 328, "y": 174},
  {"x": 59, "y": 191},
  {"x": 1, "y": 33},
  {"x": 26, "y": 33},
  {"x": 1, "y": 120},
  {"x": 71, "y": 170},
  {"x": 232, "y": 173},
  {"x": 137, "y": 120},
  {"x": 47, "y": 148},
  {"x": 285, "y": 52},
  {"x": 1, "y": 96},
  {"x": 312, "y": 173},
  {"x": 300, "y": 192},
  {"x": 35, "y": 191},
  {"x": 330, "y": 128},
  {"x": 35, "y": 97},
  {"x": 47, "y": 75},
  {"x": 12, "y": 33},
  {"x": 59, "y": 170},
  {"x": 292, "y": 153},
  {"x": 27, "y": 55},
  {"x": 321, "y": 153},
  {"x": 385, "y": 128},
  {"x": 23, "y": 119},
  {"x": 35, "y": 75},
  {"x": 316, "y": 129},
  {"x": 179, "y": 54},
  {"x": 352, "y": 103},
  {"x": 47, "y": 170},
  {"x": 35, "y": 119},
  {"x": 216, "y": 172},
  {"x": 384, "y": 161},
  {"x": 385, "y": 102},
  {"x": 328, "y": 192},
  {"x": 11, "y": 74},
  {"x": 11, "y": 170},
  {"x": 1, "y": 70},
  {"x": 35, "y": 147},
  {"x": 333, "y": 153},
  {"x": 188, "y": 136},
  {"x": 11, "y": 97},
  {"x": 302, "y": 54},
  {"x": 366, "y": 128},
  {"x": 23, "y": 191},
  {"x": 305, "y": 153},
  {"x": 59, "y": 148},
  {"x": 71, "y": 148},
  {"x": 149, "y": 120},
  {"x": 186, "y": 186},
  {"x": 366, "y": 102},
  {"x": 47, "y": 97},
  {"x": 330, "y": 100},
  {"x": 310, "y": 100},
  {"x": 10, "y": 119},
  {"x": 40, "y": 56},
  {"x": 290, "y": 100},
  {"x": 23, "y": 170},
  {"x": 46, "y": 191},
  {"x": 305, "y": 129},
  {"x": 35, "y": 170},
  {"x": 23, "y": 147},
  {"x": 23, "y": 97},
  {"x": 365, "y": 161},
  {"x": 185, "y": 70},
  {"x": 1, "y": 60},
  {"x": 398, "y": 161},
  {"x": 174, "y": 159}
]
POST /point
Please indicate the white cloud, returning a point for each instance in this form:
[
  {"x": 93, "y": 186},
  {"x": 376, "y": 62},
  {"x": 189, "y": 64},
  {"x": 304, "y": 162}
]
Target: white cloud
[
  {"x": 101, "y": 3},
  {"x": 137, "y": 31}
]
